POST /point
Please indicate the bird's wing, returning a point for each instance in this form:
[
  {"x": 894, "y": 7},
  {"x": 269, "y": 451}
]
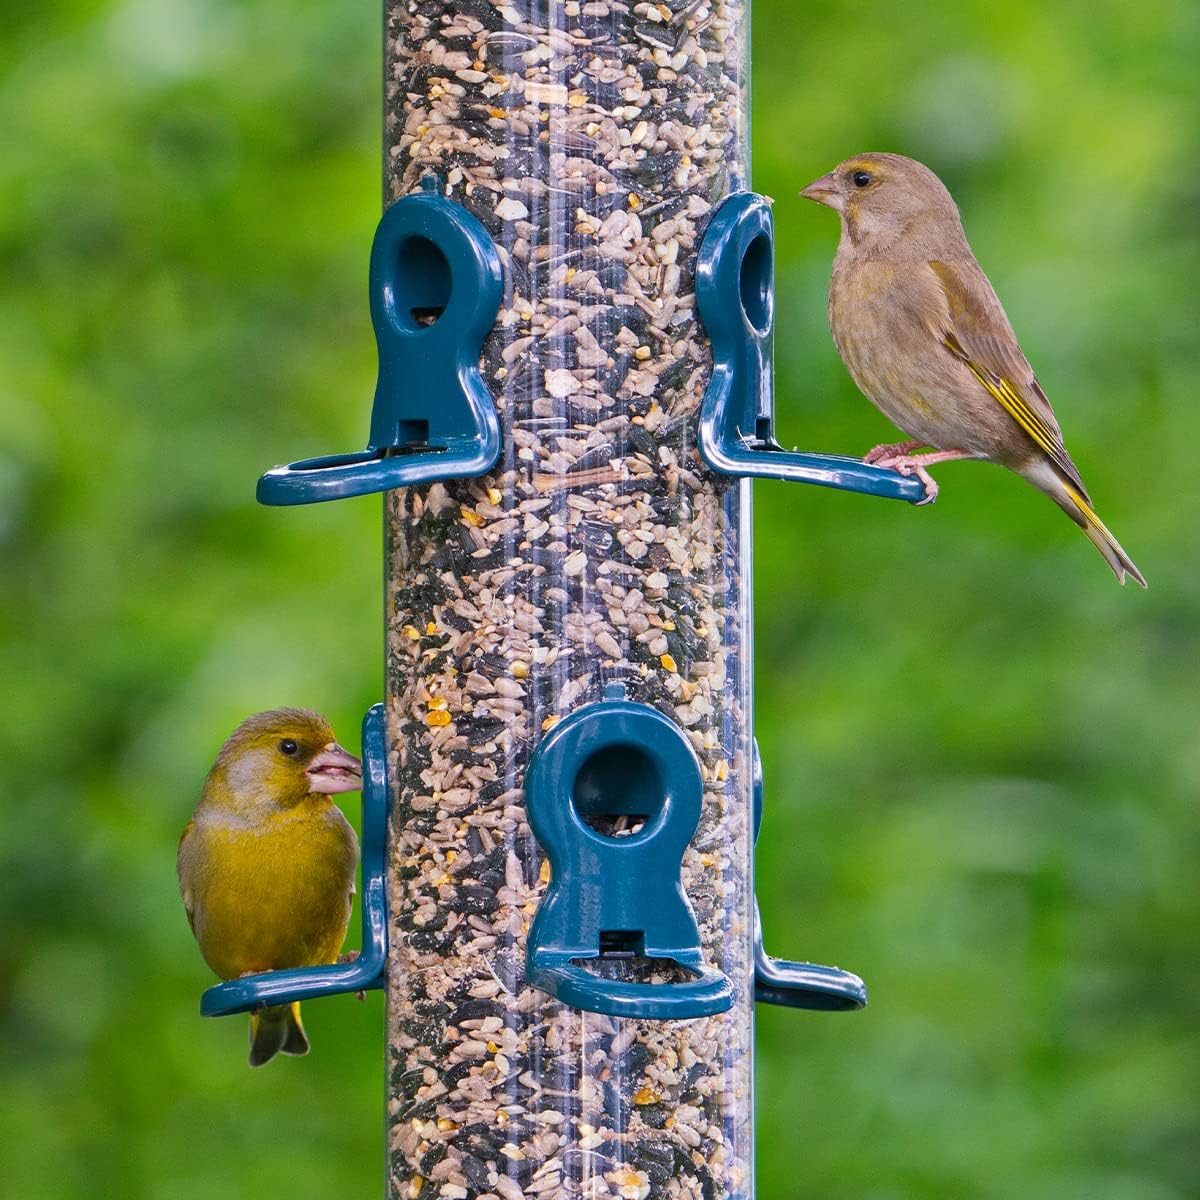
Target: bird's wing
[
  {"x": 181, "y": 865},
  {"x": 979, "y": 334}
]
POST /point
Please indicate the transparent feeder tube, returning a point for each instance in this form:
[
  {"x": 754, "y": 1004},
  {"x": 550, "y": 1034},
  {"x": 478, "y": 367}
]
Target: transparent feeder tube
[{"x": 592, "y": 140}]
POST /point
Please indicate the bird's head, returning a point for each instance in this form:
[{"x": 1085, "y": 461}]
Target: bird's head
[
  {"x": 278, "y": 758},
  {"x": 883, "y": 196}
]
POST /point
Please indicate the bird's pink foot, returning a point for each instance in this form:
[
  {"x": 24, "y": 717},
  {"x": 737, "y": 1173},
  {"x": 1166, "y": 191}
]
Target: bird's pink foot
[
  {"x": 915, "y": 464},
  {"x": 878, "y": 456},
  {"x": 908, "y": 466}
]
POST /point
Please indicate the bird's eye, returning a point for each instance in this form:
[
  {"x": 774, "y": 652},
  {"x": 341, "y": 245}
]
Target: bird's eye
[
  {"x": 860, "y": 179},
  {"x": 288, "y": 747}
]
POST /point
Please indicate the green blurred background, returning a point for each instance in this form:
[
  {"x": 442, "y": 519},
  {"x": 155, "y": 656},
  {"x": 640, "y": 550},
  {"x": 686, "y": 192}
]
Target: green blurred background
[{"x": 982, "y": 755}]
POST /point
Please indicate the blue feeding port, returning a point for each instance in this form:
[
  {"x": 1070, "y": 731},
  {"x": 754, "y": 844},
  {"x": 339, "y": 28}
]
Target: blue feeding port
[
  {"x": 735, "y": 298},
  {"x": 618, "y": 897},
  {"x": 435, "y": 284},
  {"x": 368, "y": 971},
  {"x": 797, "y": 984}
]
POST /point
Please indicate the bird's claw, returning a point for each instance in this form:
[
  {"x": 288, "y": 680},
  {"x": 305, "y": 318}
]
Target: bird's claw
[
  {"x": 915, "y": 464},
  {"x": 348, "y": 957},
  {"x": 931, "y": 488},
  {"x": 908, "y": 465},
  {"x": 897, "y": 458}
]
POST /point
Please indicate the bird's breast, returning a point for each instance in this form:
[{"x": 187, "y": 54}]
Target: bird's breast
[
  {"x": 273, "y": 896},
  {"x": 867, "y": 327},
  {"x": 883, "y": 322}
]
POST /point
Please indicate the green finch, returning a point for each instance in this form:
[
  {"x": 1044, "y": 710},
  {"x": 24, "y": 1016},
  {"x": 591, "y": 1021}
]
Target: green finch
[
  {"x": 925, "y": 338},
  {"x": 267, "y": 862}
]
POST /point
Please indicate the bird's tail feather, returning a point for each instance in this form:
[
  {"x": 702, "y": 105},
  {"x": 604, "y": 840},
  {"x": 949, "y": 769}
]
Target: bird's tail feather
[
  {"x": 296, "y": 1041},
  {"x": 1070, "y": 500},
  {"x": 274, "y": 1031}
]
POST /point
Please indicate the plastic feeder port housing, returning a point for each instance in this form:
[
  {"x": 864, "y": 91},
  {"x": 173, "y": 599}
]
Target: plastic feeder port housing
[
  {"x": 617, "y": 897},
  {"x": 797, "y": 984},
  {"x": 736, "y": 301},
  {"x": 436, "y": 284}
]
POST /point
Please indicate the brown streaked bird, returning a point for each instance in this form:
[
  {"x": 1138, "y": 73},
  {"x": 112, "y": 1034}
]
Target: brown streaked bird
[
  {"x": 267, "y": 862},
  {"x": 927, "y": 341}
]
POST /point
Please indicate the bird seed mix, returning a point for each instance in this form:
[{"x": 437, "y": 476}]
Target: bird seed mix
[{"x": 593, "y": 141}]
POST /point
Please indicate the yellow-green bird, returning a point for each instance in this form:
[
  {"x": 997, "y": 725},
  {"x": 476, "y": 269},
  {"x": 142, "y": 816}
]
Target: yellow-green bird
[
  {"x": 267, "y": 863},
  {"x": 927, "y": 341}
]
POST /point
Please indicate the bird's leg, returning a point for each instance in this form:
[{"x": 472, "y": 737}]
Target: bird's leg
[
  {"x": 879, "y": 455},
  {"x": 348, "y": 957},
  {"x": 915, "y": 464}
]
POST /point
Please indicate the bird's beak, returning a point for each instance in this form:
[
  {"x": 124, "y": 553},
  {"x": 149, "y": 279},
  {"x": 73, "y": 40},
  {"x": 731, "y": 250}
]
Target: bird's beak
[
  {"x": 824, "y": 191},
  {"x": 334, "y": 770}
]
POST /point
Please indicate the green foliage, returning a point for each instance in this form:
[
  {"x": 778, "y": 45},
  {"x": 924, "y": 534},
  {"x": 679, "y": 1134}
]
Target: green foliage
[{"x": 982, "y": 755}]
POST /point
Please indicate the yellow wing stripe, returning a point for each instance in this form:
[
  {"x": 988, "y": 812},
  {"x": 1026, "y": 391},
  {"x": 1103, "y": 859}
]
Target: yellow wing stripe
[
  {"x": 1015, "y": 405},
  {"x": 1089, "y": 515},
  {"x": 1045, "y": 436},
  {"x": 1020, "y": 412}
]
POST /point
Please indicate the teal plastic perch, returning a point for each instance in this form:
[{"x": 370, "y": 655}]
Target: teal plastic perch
[
  {"x": 797, "y": 984},
  {"x": 436, "y": 284},
  {"x": 735, "y": 299}
]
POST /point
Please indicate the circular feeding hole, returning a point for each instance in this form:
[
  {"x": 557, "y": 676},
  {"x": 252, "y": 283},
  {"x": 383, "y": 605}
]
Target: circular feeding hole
[
  {"x": 755, "y": 284},
  {"x": 422, "y": 284},
  {"x": 617, "y": 790}
]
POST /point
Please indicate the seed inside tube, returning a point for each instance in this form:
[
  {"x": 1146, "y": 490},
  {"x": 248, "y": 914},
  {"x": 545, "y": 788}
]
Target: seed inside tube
[{"x": 592, "y": 139}]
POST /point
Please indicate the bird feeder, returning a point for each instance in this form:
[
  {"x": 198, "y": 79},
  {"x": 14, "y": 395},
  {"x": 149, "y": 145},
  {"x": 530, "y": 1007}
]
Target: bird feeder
[{"x": 571, "y": 290}]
